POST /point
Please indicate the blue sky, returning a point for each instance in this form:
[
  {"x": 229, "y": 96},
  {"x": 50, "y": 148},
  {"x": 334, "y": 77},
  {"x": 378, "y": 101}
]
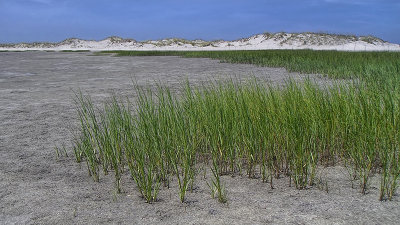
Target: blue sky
[{"x": 56, "y": 20}]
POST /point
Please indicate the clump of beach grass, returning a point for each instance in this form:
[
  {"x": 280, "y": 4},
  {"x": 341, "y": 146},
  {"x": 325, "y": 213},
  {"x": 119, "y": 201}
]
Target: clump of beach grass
[
  {"x": 253, "y": 128},
  {"x": 235, "y": 127}
]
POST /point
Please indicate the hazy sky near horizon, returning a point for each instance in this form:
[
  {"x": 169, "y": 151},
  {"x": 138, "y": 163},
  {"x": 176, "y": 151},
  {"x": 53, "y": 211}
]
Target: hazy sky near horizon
[{"x": 56, "y": 20}]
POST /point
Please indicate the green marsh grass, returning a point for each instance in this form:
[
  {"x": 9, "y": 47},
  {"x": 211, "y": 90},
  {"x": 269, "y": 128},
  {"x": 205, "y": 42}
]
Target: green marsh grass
[
  {"x": 284, "y": 131},
  {"x": 252, "y": 128},
  {"x": 333, "y": 64}
]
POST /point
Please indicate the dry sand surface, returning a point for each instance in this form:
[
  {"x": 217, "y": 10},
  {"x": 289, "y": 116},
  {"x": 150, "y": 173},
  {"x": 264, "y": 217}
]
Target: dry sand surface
[{"x": 37, "y": 113}]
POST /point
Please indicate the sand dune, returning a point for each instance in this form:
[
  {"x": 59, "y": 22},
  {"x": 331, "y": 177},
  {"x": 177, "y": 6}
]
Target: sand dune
[{"x": 316, "y": 41}]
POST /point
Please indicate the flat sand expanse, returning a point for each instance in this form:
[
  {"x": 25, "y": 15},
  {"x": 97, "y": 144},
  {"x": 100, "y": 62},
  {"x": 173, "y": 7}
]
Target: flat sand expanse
[{"x": 37, "y": 113}]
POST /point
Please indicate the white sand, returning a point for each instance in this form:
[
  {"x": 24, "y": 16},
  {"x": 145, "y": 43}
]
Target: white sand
[{"x": 316, "y": 41}]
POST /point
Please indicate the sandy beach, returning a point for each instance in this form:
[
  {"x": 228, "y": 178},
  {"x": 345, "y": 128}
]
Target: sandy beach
[{"x": 37, "y": 113}]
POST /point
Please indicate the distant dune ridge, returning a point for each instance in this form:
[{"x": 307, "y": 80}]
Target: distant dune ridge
[{"x": 281, "y": 40}]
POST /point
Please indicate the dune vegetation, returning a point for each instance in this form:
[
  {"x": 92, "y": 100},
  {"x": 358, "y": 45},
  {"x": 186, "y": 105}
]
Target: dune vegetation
[{"x": 253, "y": 128}]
